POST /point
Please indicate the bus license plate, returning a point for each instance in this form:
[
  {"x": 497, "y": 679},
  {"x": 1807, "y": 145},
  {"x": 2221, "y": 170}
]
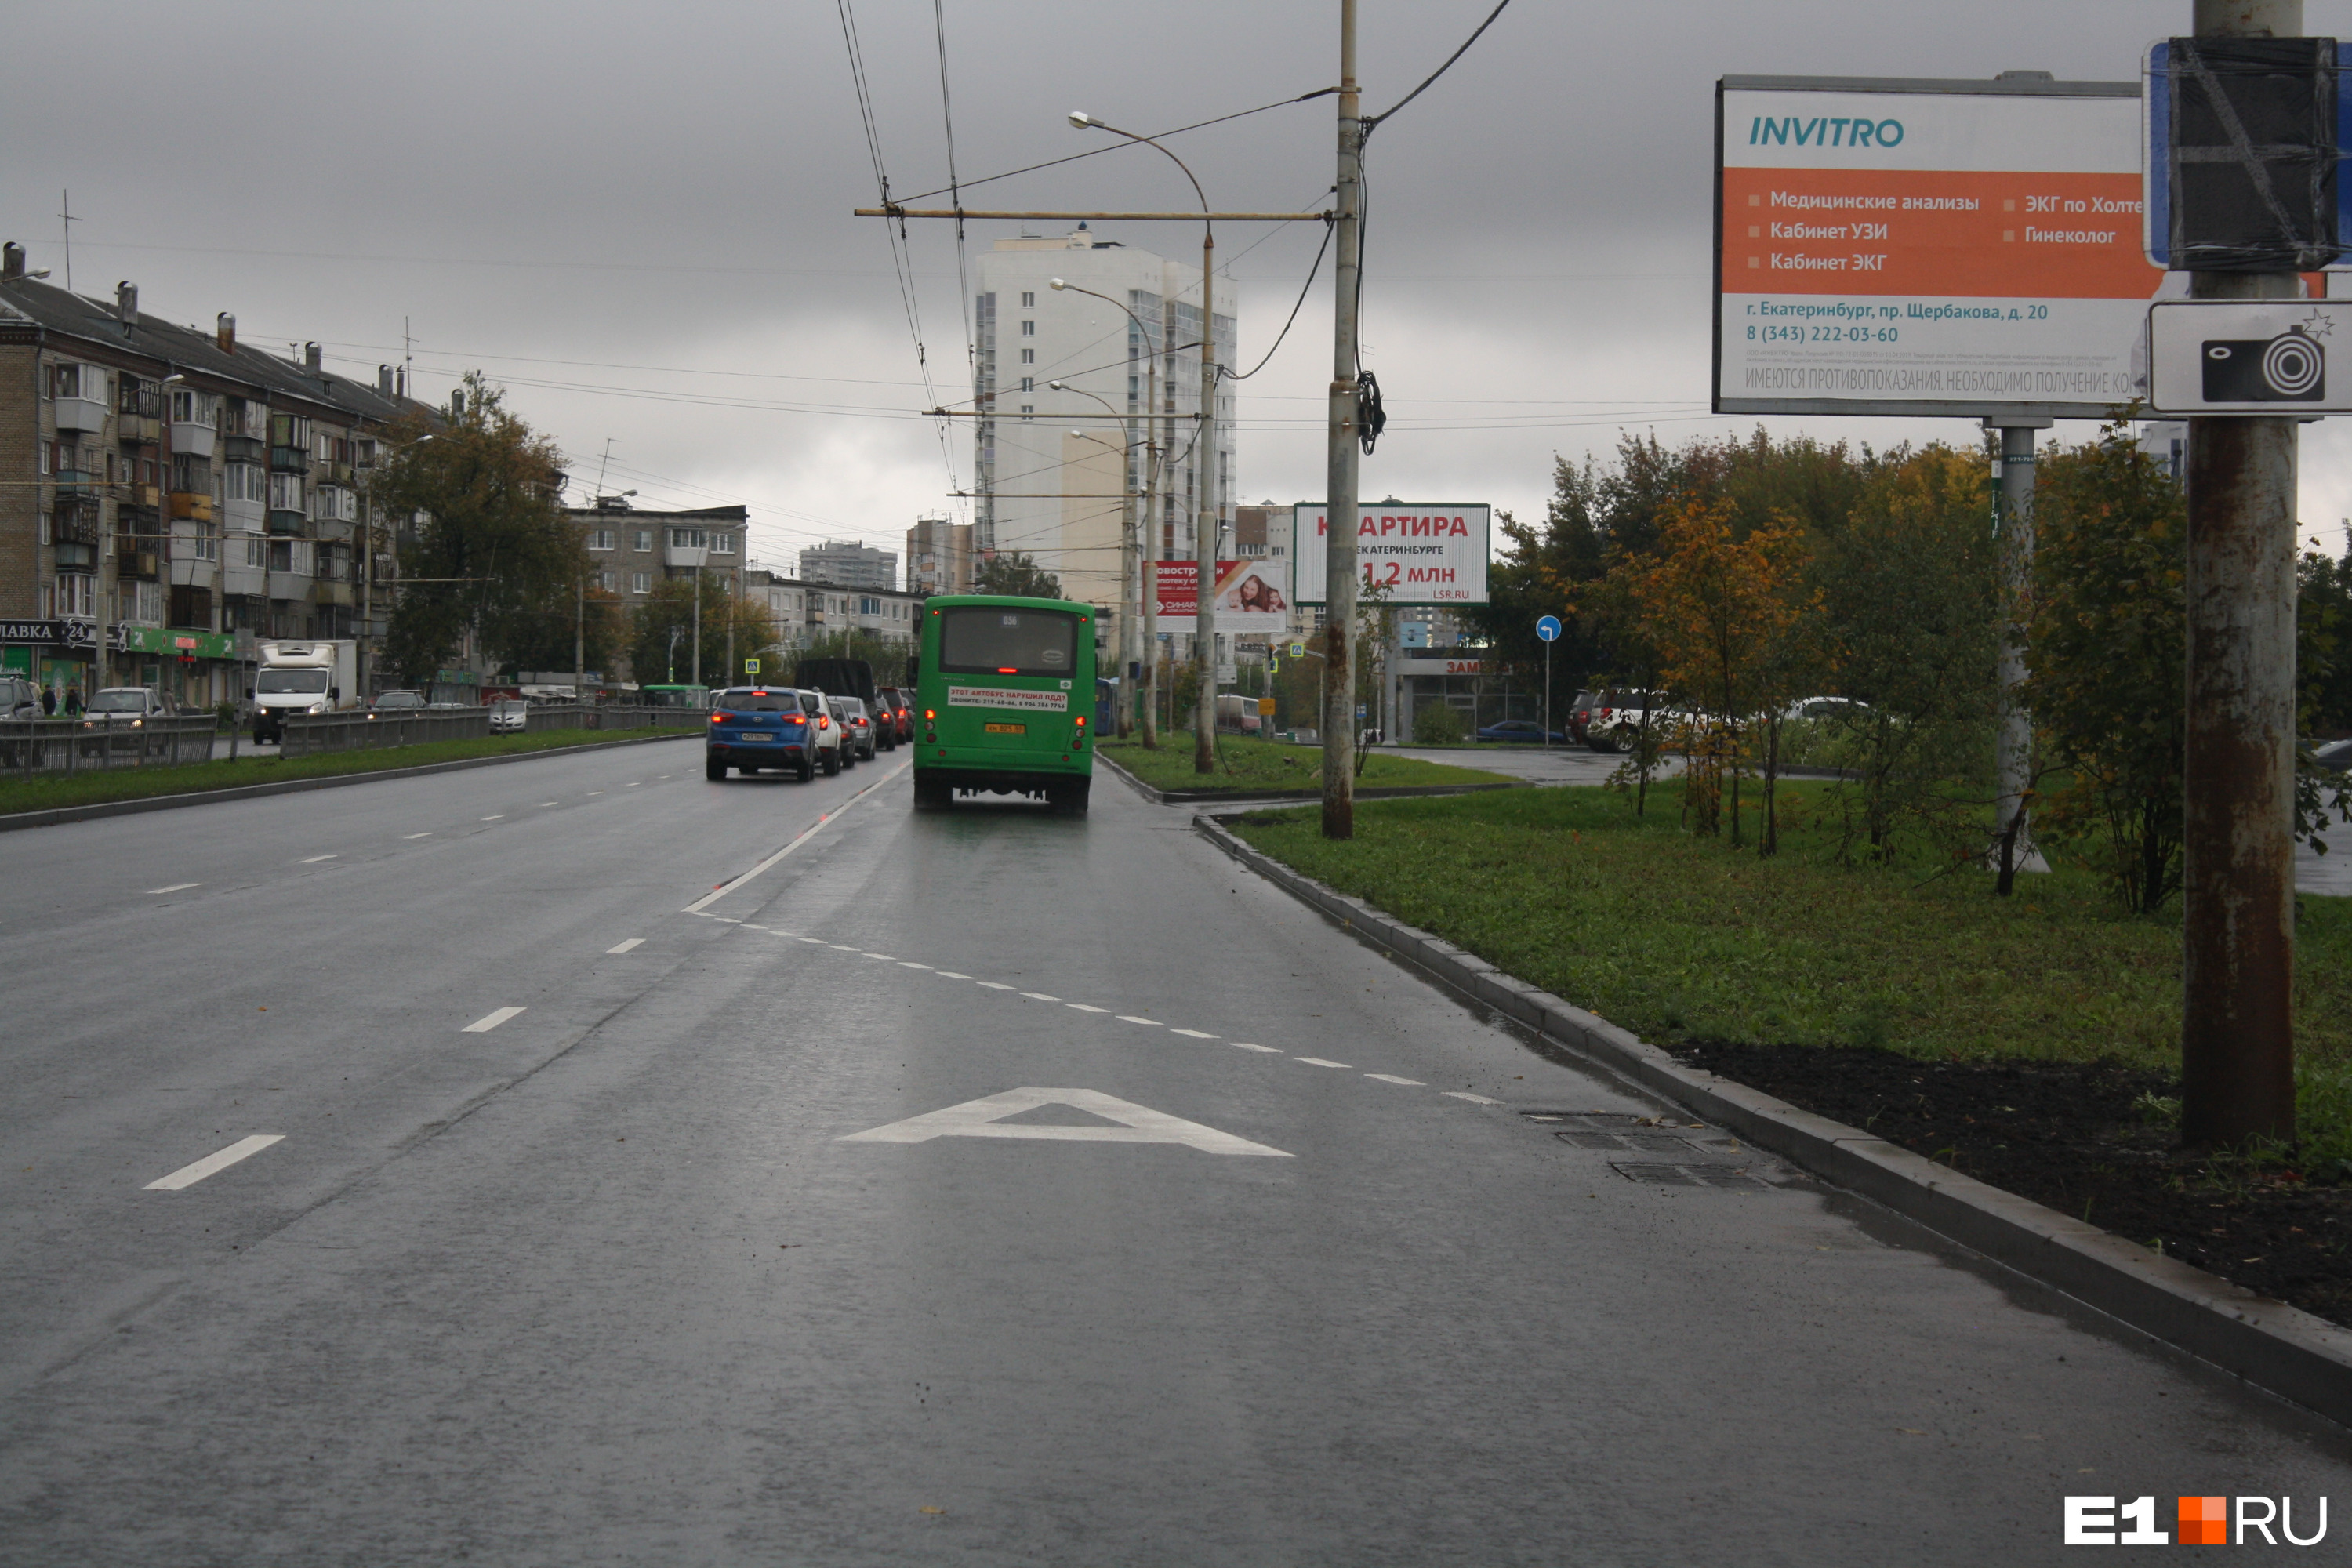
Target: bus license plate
[{"x": 1008, "y": 729}]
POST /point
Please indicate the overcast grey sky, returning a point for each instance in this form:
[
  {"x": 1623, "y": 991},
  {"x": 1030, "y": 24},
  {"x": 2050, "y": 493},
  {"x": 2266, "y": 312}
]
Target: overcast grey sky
[{"x": 637, "y": 217}]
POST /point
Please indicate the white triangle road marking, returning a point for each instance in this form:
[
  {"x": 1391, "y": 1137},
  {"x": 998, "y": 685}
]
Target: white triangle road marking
[{"x": 985, "y": 1119}]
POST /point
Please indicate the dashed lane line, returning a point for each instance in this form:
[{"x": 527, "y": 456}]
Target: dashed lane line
[
  {"x": 1080, "y": 1007},
  {"x": 214, "y": 1162},
  {"x": 175, "y": 888},
  {"x": 417, "y": 836},
  {"x": 314, "y": 859},
  {"x": 488, "y": 1021},
  {"x": 499, "y": 817},
  {"x": 634, "y": 942},
  {"x": 724, "y": 889}
]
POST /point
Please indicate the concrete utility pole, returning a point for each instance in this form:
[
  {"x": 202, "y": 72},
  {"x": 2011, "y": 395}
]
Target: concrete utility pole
[
  {"x": 1339, "y": 484},
  {"x": 2013, "y": 848},
  {"x": 1204, "y": 530},
  {"x": 2237, "y": 1040}
]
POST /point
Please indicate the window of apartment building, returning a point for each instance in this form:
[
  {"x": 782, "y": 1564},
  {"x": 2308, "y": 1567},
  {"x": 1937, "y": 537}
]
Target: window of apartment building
[
  {"x": 1028, "y": 356},
  {"x": 289, "y": 430},
  {"x": 286, "y": 493},
  {"x": 1028, "y": 329},
  {"x": 688, "y": 539},
  {"x": 608, "y": 581},
  {"x": 723, "y": 543},
  {"x": 1028, "y": 299},
  {"x": 71, "y": 594},
  {"x": 363, "y": 453},
  {"x": 599, "y": 539},
  {"x": 243, "y": 481},
  {"x": 641, "y": 581},
  {"x": 1028, "y": 383},
  {"x": 256, "y": 551},
  {"x": 643, "y": 540},
  {"x": 139, "y": 602},
  {"x": 204, "y": 544},
  {"x": 190, "y": 407},
  {"x": 333, "y": 504},
  {"x": 1028, "y": 410},
  {"x": 77, "y": 380},
  {"x": 291, "y": 555}
]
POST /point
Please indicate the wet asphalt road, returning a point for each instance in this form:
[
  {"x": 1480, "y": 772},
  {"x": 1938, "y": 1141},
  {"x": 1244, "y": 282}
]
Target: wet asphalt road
[{"x": 602, "y": 1281}]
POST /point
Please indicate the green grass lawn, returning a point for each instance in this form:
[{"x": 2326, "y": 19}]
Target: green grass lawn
[
  {"x": 1272, "y": 764},
  {"x": 44, "y": 791},
  {"x": 1678, "y": 938}
]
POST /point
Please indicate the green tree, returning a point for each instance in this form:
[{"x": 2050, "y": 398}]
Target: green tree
[
  {"x": 542, "y": 638},
  {"x": 2106, "y": 643},
  {"x": 1010, "y": 571},
  {"x": 889, "y": 659},
  {"x": 655, "y": 654},
  {"x": 495, "y": 556}
]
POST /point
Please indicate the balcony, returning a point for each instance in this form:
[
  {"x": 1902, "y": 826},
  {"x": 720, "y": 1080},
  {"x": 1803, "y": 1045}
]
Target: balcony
[
  {"x": 326, "y": 593},
  {"x": 149, "y": 496},
  {"x": 140, "y": 564},
  {"x": 196, "y": 440},
  {"x": 290, "y": 586},
  {"x": 245, "y": 450},
  {"x": 143, "y": 428},
  {"x": 289, "y": 525},
  {"x": 84, "y": 413},
  {"x": 289, "y": 459},
  {"x": 191, "y": 504},
  {"x": 73, "y": 557},
  {"x": 75, "y": 520},
  {"x": 334, "y": 474}
]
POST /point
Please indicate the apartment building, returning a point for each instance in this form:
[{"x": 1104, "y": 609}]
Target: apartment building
[
  {"x": 633, "y": 550},
  {"x": 806, "y": 611},
  {"x": 939, "y": 556},
  {"x": 1053, "y": 466},
  {"x": 850, "y": 565},
  {"x": 175, "y": 493}
]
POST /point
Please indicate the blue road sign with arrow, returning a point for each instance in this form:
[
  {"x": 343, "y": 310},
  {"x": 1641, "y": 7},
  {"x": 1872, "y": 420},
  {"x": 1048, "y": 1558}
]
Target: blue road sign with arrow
[{"x": 1547, "y": 628}]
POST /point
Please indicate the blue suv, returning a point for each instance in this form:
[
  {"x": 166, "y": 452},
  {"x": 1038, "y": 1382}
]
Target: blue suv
[{"x": 756, "y": 727}]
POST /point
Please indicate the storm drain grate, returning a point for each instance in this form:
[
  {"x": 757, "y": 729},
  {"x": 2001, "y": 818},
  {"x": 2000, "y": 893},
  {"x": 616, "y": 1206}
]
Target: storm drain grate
[{"x": 1660, "y": 1173}]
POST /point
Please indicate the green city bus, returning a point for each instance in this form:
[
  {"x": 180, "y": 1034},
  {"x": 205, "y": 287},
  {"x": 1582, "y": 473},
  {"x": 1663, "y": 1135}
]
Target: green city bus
[{"x": 1005, "y": 689}]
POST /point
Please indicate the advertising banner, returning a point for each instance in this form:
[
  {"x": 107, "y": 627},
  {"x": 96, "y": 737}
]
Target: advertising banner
[
  {"x": 1929, "y": 248},
  {"x": 1252, "y": 596},
  {"x": 1431, "y": 555}
]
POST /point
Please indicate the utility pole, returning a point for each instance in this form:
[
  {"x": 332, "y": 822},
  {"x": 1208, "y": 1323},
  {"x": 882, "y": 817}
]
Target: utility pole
[
  {"x": 1339, "y": 485},
  {"x": 2237, "y": 1039},
  {"x": 2013, "y": 848},
  {"x": 1205, "y": 529}
]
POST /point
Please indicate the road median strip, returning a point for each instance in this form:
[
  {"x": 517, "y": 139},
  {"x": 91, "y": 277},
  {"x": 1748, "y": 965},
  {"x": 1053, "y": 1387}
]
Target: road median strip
[{"x": 2298, "y": 1356}]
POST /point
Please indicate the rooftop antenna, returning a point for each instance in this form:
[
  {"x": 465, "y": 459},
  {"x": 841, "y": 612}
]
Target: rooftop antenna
[
  {"x": 66, "y": 220},
  {"x": 601, "y": 467},
  {"x": 407, "y": 358}
]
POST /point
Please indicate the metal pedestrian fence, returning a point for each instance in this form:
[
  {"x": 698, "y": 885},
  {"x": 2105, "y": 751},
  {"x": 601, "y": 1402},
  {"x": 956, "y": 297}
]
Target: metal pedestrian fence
[{"x": 105, "y": 741}]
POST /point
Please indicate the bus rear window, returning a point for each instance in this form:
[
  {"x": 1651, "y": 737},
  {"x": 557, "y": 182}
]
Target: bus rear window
[{"x": 982, "y": 640}]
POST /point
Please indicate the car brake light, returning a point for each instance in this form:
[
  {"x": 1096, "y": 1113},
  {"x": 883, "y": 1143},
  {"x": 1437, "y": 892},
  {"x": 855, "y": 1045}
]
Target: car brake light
[
  {"x": 717, "y": 718},
  {"x": 823, "y": 722},
  {"x": 1006, "y": 669}
]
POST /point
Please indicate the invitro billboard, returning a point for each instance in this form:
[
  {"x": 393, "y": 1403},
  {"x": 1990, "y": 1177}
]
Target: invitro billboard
[{"x": 1929, "y": 248}]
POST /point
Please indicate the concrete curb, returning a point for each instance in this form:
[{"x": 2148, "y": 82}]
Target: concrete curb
[
  {"x": 58, "y": 816},
  {"x": 1158, "y": 797},
  {"x": 2299, "y": 1357}
]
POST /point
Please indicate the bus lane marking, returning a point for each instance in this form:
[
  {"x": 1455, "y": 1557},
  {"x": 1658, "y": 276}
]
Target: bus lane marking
[
  {"x": 1135, "y": 1124},
  {"x": 218, "y": 1161}
]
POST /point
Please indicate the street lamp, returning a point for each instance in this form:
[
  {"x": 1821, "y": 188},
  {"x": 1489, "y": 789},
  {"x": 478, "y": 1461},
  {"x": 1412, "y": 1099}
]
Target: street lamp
[{"x": 1204, "y": 530}]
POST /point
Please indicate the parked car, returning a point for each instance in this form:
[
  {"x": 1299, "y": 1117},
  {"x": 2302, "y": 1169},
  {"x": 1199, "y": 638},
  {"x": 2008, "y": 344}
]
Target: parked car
[
  {"x": 1616, "y": 720},
  {"x": 764, "y": 728},
  {"x": 19, "y": 698},
  {"x": 857, "y": 729},
  {"x": 1579, "y": 715},
  {"x": 1824, "y": 708},
  {"x": 1523, "y": 731},
  {"x": 397, "y": 700},
  {"x": 900, "y": 706},
  {"x": 510, "y": 715},
  {"x": 2337, "y": 754}
]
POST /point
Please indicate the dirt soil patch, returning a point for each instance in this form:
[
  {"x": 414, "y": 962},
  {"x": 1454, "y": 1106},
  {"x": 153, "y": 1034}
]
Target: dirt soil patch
[{"x": 2084, "y": 1139}]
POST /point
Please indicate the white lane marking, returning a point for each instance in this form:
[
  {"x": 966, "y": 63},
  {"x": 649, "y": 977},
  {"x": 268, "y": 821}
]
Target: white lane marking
[
  {"x": 500, "y": 815},
  {"x": 817, "y": 939},
  {"x": 175, "y": 888},
  {"x": 883, "y": 956},
  {"x": 546, "y": 802},
  {"x": 189, "y": 1175},
  {"x": 488, "y": 1021},
  {"x": 1084, "y": 1008},
  {"x": 417, "y": 836},
  {"x": 910, "y": 963},
  {"x": 1245, "y": 1046},
  {"x": 834, "y": 945},
  {"x": 1322, "y": 1062},
  {"x": 724, "y": 889},
  {"x": 1392, "y": 1078},
  {"x": 314, "y": 859},
  {"x": 594, "y": 792},
  {"x": 1466, "y": 1094},
  {"x": 1131, "y": 1018},
  {"x": 1040, "y": 997},
  {"x": 634, "y": 942},
  {"x": 949, "y": 975},
  {"x": 995, "y": 985},
  {"x": 984, "y": 1119},
  {"x": 1196, "y": 1033},
  {"x": 638, "y": 784}
]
